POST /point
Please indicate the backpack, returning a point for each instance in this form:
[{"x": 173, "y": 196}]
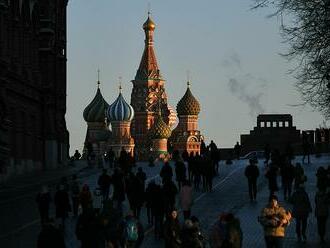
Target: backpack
[{"x": 131, "y": 230}]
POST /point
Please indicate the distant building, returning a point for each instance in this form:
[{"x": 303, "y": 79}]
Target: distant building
[
  {"x": 277, "y": 130},
  {"x": 33, "y": 133}
]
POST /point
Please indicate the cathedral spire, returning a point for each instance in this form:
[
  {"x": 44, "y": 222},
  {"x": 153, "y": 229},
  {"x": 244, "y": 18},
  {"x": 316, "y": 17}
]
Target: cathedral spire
[{"x": 148, "y": 68}]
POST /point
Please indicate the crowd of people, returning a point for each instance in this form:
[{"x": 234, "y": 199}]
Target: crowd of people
[
  {"x": 274, "y": 218},
  {"x": 101, "y": 221}
]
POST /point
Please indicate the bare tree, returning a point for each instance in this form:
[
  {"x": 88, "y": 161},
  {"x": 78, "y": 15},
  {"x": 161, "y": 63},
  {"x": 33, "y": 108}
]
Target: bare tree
[{"x": 305, "y": 26}]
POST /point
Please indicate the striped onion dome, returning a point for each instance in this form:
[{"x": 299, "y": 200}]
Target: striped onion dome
[
  {"x": 188, "y": 105},
  {"x": 95, "y": 111},
  {"x": 160, "y": 130},
  {"x": 120, "y": 110}
]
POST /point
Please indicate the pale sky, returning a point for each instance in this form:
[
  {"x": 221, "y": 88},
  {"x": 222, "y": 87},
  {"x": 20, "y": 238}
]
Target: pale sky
[{"x": 232, "y": 54}]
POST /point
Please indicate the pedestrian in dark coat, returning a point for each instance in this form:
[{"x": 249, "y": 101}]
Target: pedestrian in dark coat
[
  {"x": 169, "y": 193},
  {"x": 87, "y": 229},
  {"x": 75, "y": 190},
  {"x": 190, "y": 236},
  {"x": 148, "y": 196},
  {"x": 322, "y": 202},
  {"x": 104, "y": 182},
  {"x": 158, "y": 210},
  {"x": 50, "y": 236},
  {"x": 118, "y": 188},
  {"x": 299, "y": 176},
  {"x": 321, "y": 178},
  {"x": 135, "y": 194},
  {"x": 301, "y": 209},
  {"x": 166, "y": 173},
  {"x": 209, "y": 173},
  {"x": 85, "y": 198},
  {"x": 287, "y": 173},
  {"x": 252, "y": 174},
  {"x": 62, "y": 204},
  {"x": 43, "y": 200},
  {"x": 271, "y": 175},
  {"x": 172, "y": 231},
  {"x": 142, "y": 176},
  {"x": 180, "y": 172}
]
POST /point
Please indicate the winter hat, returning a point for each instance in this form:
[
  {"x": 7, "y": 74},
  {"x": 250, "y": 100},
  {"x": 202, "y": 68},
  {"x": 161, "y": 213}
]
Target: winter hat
[{"x": 273, "y": 197}]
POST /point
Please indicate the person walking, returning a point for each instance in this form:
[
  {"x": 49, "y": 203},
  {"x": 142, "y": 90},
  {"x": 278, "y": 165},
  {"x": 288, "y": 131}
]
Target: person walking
[
  {"x": 190, "y": 235},
  {"x": 252, "y": 174},
  {"x": 172, "y": 231},
  {"x": 62, "y": 204},
  {"x": 274, "y": 220},
  {"x": 322, "y": 202},
  {"x": 118, "y": 183},
  {"x": 131, "y": 230},
  {"x": 271, "y": 175},
  {"x": 180, "y": 172},
  {"x": 75, "y": 190},
  {"x": 142, "y": 176},
  {"x": 104, "y": 182},
  {"x": 50, "y": 236},
  {"x": 186, "y": 199},
  {"x": 226, "y": 232},
  {"x": 149, "y": 200},
  {"x": 287, "y": 173},
  {"x": 85, "y": 198},
  {"x": 301, "y": 209},
  {"x": 299, "y": 176},
  {"x": 87, "y": 229},
  {"x": 43, "y": 200},
  {"x": 169, "y": 193},
  {"x": 166, "y": 173}
]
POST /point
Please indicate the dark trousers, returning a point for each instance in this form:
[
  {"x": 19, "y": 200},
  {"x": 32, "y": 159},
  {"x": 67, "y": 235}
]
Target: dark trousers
[
  {"x": 186, "y": 214},
  {"x": 301, "y": 225},
  {"x": 252, "y": 189},
  {"x": 274, "y": 242},
  {"x": 75, "y": 205},
  {"x": 287, "y": 188},
  {"x": 321, "y": 225}
]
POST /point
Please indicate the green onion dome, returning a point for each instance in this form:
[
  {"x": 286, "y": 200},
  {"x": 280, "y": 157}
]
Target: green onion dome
[{"x": 95, "y": 111}]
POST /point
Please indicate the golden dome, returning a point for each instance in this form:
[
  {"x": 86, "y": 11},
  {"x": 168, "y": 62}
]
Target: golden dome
[
  {"x": 188, "y": 105},
  {"x": 149, "y": 25},
  {"x": 160, "y": 130}
]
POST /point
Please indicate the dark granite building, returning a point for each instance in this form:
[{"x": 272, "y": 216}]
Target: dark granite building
[
  {"x": 277, "y": 130},
  {"x": 33, "y": 133}
]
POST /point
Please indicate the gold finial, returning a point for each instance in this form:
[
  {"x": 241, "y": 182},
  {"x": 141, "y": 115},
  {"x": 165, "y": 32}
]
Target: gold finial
[
  {"x": 98, "y": 78},
  {"x": 120, "y": 88}
]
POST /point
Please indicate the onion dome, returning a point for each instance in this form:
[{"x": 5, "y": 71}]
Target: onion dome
[
  {"x": 160, "y": 130},
  {"x": 149, "y": 25},
  {"x": 95, "y": 111},
  {"x": 120, "y": 110},
  {"x": 188, "y": 105}
]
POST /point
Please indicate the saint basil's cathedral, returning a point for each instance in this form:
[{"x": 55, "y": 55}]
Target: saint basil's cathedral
[{"x": 146, "y": 126}]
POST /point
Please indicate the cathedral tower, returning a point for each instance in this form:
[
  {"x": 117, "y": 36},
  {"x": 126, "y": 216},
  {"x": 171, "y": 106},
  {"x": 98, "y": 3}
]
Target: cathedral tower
[
  {"x": 120, "y": 115},
  {"x": 186, "y": 136},
  {"x": 148, "y": 94}
]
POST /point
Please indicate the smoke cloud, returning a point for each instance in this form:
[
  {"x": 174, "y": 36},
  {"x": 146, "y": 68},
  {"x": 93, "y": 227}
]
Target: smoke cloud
[
  {"x": 253, "y": 101},
  {"x": 240, "y": 84}
]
